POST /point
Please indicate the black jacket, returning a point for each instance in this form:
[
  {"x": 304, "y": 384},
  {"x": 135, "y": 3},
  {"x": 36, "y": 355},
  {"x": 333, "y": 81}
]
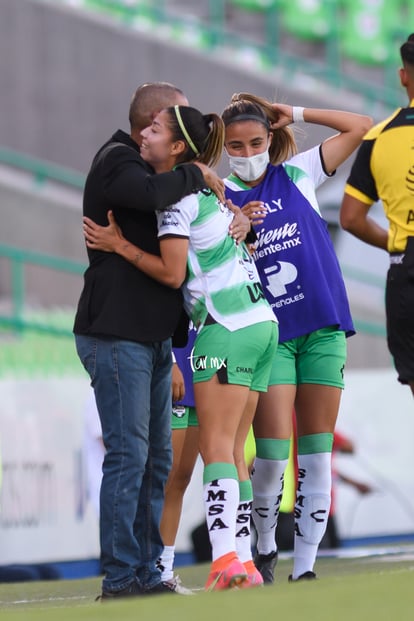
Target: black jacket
[{"x": 117, "y": 299}]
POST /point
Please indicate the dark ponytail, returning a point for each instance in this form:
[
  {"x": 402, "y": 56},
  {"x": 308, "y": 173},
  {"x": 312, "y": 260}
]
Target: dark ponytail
[{"x": 202, "y": 133}]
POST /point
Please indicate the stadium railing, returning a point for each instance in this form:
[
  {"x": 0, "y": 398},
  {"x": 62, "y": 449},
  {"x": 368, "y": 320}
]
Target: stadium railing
[
  {"x": 19, "y": 317},
  {"x": 35, "y": 342},
  {"x": 41, "y": 170}
]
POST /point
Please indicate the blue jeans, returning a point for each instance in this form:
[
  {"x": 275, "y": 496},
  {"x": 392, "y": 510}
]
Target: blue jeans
[{"x": 132, "y": 384}]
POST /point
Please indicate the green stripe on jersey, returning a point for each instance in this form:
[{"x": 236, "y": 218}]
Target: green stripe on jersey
[
  {"x": 217, "y": 255},
  {"x": 205, "y": 211},
  {"x": 295, "y": 173},
  {"x": 199, "y": 312},
  {"x": 235, "y": 299}
]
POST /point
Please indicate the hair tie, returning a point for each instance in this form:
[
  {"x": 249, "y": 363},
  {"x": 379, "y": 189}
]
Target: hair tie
[{"x": 184, "y": 131}]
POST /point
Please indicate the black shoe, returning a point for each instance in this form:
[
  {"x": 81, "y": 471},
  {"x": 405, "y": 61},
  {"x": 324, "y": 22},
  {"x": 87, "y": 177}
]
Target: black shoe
[
  {"x": 132, "y": 590},
  {"x": 161, "y": 588},
  {"x": 266, "y": 563},
  {"x": 308, "y": 575}
]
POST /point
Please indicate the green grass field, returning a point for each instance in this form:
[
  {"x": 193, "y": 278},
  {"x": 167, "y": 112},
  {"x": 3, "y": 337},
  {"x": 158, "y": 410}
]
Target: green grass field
[{"x": 377, "y": 587}]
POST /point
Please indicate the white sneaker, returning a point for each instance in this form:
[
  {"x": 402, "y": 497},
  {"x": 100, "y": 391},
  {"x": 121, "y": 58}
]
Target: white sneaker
[{"x": 175, "y": 581}]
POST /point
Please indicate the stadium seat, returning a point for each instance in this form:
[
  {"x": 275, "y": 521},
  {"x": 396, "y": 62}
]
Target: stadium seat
[
  {"x": 307, "y": 19},
  {"x": 367, "y": 33}
]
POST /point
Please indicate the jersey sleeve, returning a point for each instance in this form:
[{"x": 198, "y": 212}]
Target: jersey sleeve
[
  {"x": 360, "y": 183},
  {"x": 311, "y": 163},
  {"x": 175, "y": 221}
]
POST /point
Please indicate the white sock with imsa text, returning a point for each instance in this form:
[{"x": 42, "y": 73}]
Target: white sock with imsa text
[
  {"x": 221, "y": 499},
  {"x": 313, "y": 499},
  {"x": 243, "y": 522},
  {"x": 267, "y": 481}
]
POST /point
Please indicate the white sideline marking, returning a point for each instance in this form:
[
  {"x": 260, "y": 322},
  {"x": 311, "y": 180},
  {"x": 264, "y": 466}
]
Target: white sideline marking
[{"x": 44, "y": 599}]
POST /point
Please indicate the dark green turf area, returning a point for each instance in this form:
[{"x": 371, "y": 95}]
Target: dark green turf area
[{"x": 377, "y": 587}]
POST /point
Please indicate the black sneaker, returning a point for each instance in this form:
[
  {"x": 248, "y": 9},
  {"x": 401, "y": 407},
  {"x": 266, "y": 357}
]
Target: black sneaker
[
  {"x": 266, "y": 564},
  {"x": 161, "y": 588},
  {"x": 308, "y": 575},
  {"x": 132, "y": 590}
]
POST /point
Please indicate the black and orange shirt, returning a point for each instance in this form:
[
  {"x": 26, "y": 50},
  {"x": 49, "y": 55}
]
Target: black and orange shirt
[{"x": 384, "y": 170}]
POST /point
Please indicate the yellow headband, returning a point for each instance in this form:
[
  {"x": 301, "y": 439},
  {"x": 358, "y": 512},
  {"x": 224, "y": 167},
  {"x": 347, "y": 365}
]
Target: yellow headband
[{"x": 183, "y": 129}]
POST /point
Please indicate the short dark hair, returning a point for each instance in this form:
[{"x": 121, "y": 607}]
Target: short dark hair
[
  {"x": 149, "y": 99},
  {"x": 407, "y": 51}
]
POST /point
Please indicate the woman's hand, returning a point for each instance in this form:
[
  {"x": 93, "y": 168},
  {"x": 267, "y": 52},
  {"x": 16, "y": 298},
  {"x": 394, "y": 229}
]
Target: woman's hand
[
  {"x": 212, "y": 181},
  {"x": 284, "y": 113},
  {"x": 106, "y": 238},
  {"x": 255, "y": 211},
  {"x": 177, "y": 383},
  {"x": 240, "y": 225}
]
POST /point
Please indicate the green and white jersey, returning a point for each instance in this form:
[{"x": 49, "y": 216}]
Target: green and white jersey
[{"x": 222, "y": 279}]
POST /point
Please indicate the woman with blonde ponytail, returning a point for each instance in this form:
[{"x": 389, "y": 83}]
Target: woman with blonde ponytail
[{"x": 302, "y": 281}]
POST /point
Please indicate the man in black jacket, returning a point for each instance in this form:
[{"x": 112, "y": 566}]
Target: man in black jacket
[{"x": 123, "y": 328}]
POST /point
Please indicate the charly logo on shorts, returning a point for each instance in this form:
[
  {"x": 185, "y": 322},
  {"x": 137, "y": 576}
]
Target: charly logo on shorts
[{"x": 201, "y": 363}]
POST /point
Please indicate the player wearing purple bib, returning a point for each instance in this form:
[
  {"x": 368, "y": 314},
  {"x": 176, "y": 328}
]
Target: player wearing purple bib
[
  {"x": 294, "y": 254},
  {"x": 303, "y": 284}
]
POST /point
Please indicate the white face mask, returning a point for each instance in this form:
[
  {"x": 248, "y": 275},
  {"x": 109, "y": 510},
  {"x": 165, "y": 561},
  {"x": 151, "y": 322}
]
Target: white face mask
[{"x": 249, "y": 168}]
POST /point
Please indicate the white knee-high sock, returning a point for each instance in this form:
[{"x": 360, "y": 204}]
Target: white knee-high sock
[
  {"x": 243, "y": 522},
  {"x": 221, "y": 499},
  {"x": 313, "y": 499},
  {"x": 267, "y": 481}
]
